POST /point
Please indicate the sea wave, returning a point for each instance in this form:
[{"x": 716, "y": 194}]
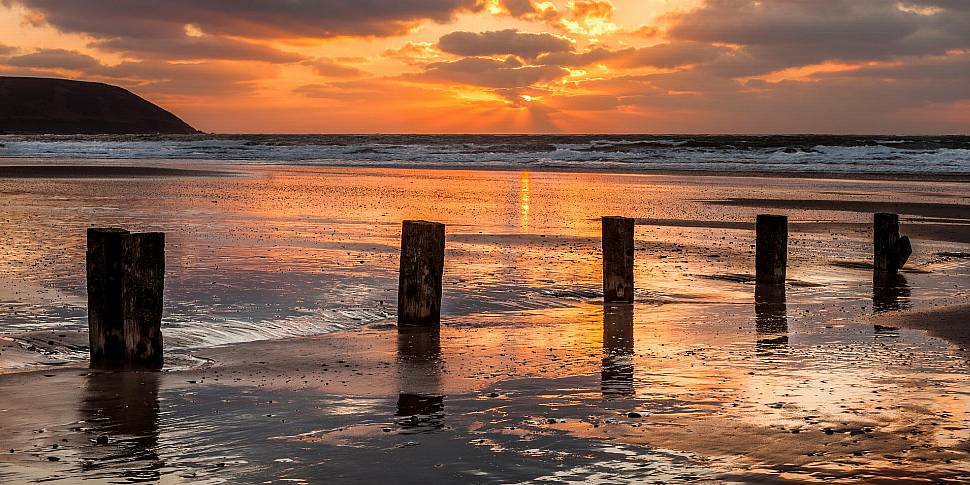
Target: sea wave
[{"x": 776, "y": 153}]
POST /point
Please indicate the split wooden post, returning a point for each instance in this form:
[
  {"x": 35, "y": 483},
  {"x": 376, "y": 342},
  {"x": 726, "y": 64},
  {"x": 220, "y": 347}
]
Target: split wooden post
[
  {"x": 422, "y": 265},
  {"x": 890, "y": 251},
  {"x": 618, "y": 251},
  {"x": 104, "y": 280},
  {"x": 771, "y": 253},
  {"x": 125, "y": 280},
  {"x": 143, "y": 285}
]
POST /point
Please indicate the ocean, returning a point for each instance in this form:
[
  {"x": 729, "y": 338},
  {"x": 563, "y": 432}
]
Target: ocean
[{"x": 810, "y": 154}]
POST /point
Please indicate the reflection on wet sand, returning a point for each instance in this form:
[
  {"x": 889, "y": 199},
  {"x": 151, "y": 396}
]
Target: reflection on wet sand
[
  {"x": 420, "y": 402},
  {"x": 890, "y": 292},
  {"x": 617, "y": 373},
  {"x": 771, "y": 317},
  {"x": 121, "y": 410}
]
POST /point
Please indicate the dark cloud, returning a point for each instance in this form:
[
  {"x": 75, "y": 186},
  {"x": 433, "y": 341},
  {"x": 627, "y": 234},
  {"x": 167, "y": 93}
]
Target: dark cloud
[
  {"x": 54, "y": 59},
  {"x": 333, "y": 68},
  {"x": 191, "y": 30},
  {"x": 576, "y": 59},
  {"x": 528, "y": 10},
  {"x": 675, "y": 54},
  {"x": 670, "y": 55},
  {"x": 492, "y": 73},
  {"x": 154, "y": 77},
  {"x": 197, "y": 48},
  {"x": 942, "y": 70},
  {"x": 250, "y": 19},
  {"x": 503, "y": 42},
  {"x": 519, "y": 8},
  {"x": 778, "y": 34},
  {"x": 902, "y": 96}
]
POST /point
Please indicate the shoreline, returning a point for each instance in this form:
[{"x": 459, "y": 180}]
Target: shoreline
[
  {"x": 38, "y": 165},
  {"x": 851, "y": 176}
]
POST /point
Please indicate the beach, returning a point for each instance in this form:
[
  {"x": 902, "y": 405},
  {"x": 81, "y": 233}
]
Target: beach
[{"x": 283, "y": 362}]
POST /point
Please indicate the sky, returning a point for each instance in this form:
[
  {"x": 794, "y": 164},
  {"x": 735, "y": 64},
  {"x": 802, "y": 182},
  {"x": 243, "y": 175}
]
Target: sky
[{"x": 514, "y": 66}]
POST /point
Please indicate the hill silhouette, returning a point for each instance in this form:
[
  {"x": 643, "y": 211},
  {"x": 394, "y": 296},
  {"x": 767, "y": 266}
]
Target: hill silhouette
[{"x": 31, "y": 105}]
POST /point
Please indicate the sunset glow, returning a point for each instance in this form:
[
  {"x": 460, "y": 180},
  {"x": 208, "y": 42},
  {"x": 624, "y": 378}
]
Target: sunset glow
[{"x": 641, "y": 66}]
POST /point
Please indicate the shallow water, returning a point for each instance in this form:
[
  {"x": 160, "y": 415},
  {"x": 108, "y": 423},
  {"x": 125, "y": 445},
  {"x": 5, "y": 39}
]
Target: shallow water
[
  {"x": 287, "y": 251},
  {"x": 531, "y": 379}
]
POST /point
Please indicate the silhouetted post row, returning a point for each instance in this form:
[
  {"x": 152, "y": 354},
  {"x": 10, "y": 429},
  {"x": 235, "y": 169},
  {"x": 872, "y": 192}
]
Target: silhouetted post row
[
  {"x": 422, "y": 265},
  {"x": 889, "y": 251},
  {"x": 771, "y": 251},
  {"x": 618, "y": 251},
  {"x": 125, "y": 280}
]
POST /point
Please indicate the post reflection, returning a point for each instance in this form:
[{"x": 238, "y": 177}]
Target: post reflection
[
  {"x": 617, "y": 373},
  {"x": 420, "y": 403},
  {"x": 771, "y": 317},
  {"x": 121, "y": 412},
  {"x": 890, "y": 292}
]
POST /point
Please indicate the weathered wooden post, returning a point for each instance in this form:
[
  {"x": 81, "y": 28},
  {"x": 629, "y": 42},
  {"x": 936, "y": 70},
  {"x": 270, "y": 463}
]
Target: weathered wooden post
[
  {"x": 618, "y": 253},
  {"x": 890, "y": 251},
  {"x": 125, "y": 279},
  {"x": 104, "y": 279},
  {"x": 422, "y": 264},
  {"x": 142, "y": 288},
  {"x": 771, "y": 252}
]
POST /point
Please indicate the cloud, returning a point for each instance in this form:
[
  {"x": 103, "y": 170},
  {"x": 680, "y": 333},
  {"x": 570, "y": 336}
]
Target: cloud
[
  {"x": 197, "y": 48},
  {"x": 543, "y": 11},
  {"x": 414, "y": 53},
  {"x": 333, "y": 68},
  {"x": 250, "y": 19},
  {"x": 503, "y": 42},
  {"x": 53, "y": 59},
  {"x": 576, "y": 59},
  {"x": 195, "y": 79},
  {"x": 778, "y": 34},
  {"x": 154, "y": 77},
  {"x": 197, "y": 30},
  {"x": 670, "y": 55},
  {"x": 900, "y": 96},
  {"x": 491, "y": 73}
]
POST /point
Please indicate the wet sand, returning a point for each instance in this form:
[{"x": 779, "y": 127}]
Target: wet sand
[
  {"x": 284, "y": 363},
  {"x": 585, "y": 400},
  {"x": 950, "y": 323}
]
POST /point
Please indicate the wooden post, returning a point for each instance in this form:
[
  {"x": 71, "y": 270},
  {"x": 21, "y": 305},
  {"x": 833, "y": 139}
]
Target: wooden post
[
  {"x": 889, "y": 250},
  {"x": 143, "y": 284},
  {"x": 422, "y": 264},
  {"x": 771, "y": 253},
  {"x": 618, "y": 253},
  {"x": 104, "y": 279}
]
